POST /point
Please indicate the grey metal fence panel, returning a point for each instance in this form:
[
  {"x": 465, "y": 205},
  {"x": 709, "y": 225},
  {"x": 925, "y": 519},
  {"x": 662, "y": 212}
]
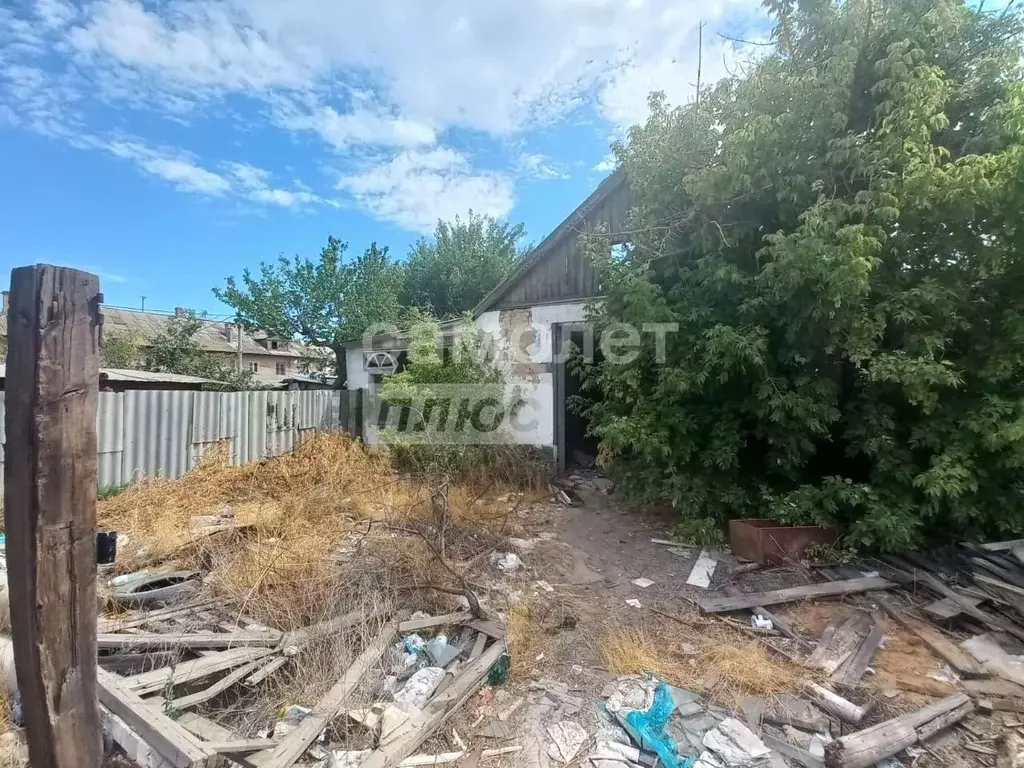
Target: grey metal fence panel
[
  {"x": 164, "y": 433},
  {"x": 110, "y": 438}
]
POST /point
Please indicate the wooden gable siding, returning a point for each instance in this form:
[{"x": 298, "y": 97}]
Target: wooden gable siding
[{"x": 556, "y": 270}]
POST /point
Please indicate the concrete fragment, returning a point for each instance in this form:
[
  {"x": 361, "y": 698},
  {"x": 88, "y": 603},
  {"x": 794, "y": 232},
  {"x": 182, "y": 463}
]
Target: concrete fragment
[
  {"x": 506, "y": 562},
  {"x": 703, "y": 569},
  {"x": 735, "y": 744},
  {"x": 642, "y": 582},
  {"x": 567, "y": 737},
  {"x": 418, "y": 688}
]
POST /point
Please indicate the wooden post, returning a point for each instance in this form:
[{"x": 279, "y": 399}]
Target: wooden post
[{"x": 50, "y": 509}]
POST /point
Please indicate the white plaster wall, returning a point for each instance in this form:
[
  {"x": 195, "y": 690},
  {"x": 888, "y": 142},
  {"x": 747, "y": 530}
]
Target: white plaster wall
[
  {"x": 535, "y": 422},
  {"x": 357, "y": 377}
]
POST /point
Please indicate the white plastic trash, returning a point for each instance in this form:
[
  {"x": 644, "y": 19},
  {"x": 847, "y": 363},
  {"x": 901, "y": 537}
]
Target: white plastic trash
[
  {"x": 758, "y": 622},
  {"x": 418, "y": 688}
]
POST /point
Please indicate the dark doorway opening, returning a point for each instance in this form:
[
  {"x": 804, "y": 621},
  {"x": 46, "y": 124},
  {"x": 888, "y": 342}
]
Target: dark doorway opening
[{"x": 574, "y": 447}]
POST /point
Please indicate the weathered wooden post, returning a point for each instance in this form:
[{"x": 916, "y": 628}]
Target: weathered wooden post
[{"x": 50, "y": 509}]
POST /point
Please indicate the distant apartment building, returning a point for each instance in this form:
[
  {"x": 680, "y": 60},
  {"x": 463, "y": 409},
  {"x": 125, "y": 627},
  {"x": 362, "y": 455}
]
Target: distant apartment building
[
  {"x": 269, "y": 357},
  {"x": 265, "y": 355}
]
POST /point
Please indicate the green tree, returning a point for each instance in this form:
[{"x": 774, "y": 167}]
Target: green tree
[
  {"x": 120, "y": 350},
  {"x": 450, "y": 273},
  {"x": 175, "y": 350},
  {"x": 837, "y": 235},
  {"x": 326, "y": 301}
]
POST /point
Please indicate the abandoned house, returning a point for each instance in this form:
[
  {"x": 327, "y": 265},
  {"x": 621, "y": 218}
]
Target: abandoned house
[{"x": 528, "y": 319}]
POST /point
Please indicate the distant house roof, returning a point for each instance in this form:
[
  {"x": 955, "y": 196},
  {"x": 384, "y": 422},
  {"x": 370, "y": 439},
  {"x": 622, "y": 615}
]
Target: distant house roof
[
  {"x": 214, "y": 336},
  {"x": 122, "y": 378}
]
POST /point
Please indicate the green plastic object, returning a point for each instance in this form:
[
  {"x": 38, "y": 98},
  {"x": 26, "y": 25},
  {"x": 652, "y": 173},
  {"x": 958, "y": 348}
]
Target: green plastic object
[{"x": 499, "y": 672}]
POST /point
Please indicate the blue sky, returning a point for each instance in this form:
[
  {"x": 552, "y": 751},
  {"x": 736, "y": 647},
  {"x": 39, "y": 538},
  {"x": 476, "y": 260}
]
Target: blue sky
[{"x": 168, "y": 144}]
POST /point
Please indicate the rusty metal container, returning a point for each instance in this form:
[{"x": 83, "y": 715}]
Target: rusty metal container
[{"x": 770, "y": 542}]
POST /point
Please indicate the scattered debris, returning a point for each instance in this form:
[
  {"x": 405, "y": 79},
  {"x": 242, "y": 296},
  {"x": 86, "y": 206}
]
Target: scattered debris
[
  {"x": 642, "y": 582},
  {"x": 702, "y": 571},
  {"x": 567, "y": 737},
  {"x": 506, "y": 561},
  {"x": 634, "y": 602}
]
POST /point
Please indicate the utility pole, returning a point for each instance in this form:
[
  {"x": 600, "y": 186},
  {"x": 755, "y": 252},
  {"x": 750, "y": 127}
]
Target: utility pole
[
  {"x": 143, "y": 303},
  {"x": 238, "y": 344},
  {"x": 50, "y": 509}
]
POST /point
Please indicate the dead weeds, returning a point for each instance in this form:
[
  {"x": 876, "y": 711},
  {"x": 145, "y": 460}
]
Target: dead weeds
[{"x": 711, "y": 661}]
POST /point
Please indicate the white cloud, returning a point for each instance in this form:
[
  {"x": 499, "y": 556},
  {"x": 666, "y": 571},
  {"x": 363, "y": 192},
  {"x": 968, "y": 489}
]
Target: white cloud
[
  {"x": 607, "y": 164},
  {"x": 177, "y": 168},
  {"x": 418, "y": 187},
  {"x": 361, "y": 128},
  {"x": 498, "y": 66},
  {"x": 254, "y": 184},
  {"x": 539, "y": 166}
]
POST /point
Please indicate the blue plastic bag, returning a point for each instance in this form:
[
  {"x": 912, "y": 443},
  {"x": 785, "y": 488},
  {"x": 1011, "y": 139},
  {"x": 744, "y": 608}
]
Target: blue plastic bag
[{"x": 648, "y": 729}]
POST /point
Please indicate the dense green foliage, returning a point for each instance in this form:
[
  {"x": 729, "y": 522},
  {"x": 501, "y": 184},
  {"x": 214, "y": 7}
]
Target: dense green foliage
[
  {"x": 120, "y": 350},
  {"x": 325, "y": 301},
  {"x": 451, "y": 272},
  {"x": 838, "y": 233},
  {"x": 328, "y": 301}
]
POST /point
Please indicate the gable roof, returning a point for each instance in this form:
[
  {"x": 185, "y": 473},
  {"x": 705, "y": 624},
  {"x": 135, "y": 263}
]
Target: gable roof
[
  {"x": 608, "y": 205},
  {"x": 213, "y": 336}
]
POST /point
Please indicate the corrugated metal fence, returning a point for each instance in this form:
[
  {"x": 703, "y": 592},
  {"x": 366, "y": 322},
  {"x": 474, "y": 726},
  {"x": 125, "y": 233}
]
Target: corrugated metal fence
[{"x": 163, "y": 432}]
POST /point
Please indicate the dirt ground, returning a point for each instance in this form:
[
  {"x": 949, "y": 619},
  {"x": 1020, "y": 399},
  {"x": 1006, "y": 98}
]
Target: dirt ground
[{"x": 598, "y": 549}]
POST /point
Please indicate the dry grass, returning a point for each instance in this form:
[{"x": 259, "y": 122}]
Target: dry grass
[
  {"x": 527, "y": 639},
  {"x": 313, "y": 529},
  {"x": 724, "y": 669}
]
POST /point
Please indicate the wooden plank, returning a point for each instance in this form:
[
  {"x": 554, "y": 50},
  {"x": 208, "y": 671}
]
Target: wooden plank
[
  {"x": 942, "y": 646},
  {"x": 220, "y": 686},
  {"x": 240, "y": 746},
  {"x": 711, "y": 604},
  {"x": 167, "y": 737},
  {"x": 52, "y": 389},
  {"x": 702, "y": 571},
  {"x": 982, "y": 579},
  {"x": 855, "y": 667},
  {"x": 194, "y": 669},
  {"x": 415, "y": 625},
  {"x": 199, "y": 641},
  {"x": 1003, "y": 546},
  {"x": 267, "y": 669},
  {"x": 132, "y": 620},
  {"x": 937, "y": 586},
  {"x": 489, "y": 628},
  {"x": 437, "y": 711},
  {"x": 478, "y": 646},
  {"x": 908, "y": 681},
  {"x": 305, "y": 733},
  {"x": 835, "y": 704},
  {"x": 994, "y": 686},
  {"x": 872, "y": 745},
  {"x": 946, "y": 609},
  {"x": 843, "y": 642}
]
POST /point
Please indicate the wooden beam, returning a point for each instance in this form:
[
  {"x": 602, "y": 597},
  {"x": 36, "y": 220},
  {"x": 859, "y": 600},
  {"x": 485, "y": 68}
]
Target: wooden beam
[
  {"x": 854, "y": 668},
  {"x": 211, "y": 641},
  {"x": 828, "y": 589},
  {"x": 133, "y": 619},
  {"x": 52, "y": 389},
  {"x": 872, "y": 745},
  {"x": 171, "y": 740},
  {"x": 835, "y": 704},
  {"x": 415, "y": 625},
  {"x": 1002, "y": 546},
  {"x": 292, "y": 747},
  {"x": 194, "y": 669},
  {"x": 220, "y": 686}
]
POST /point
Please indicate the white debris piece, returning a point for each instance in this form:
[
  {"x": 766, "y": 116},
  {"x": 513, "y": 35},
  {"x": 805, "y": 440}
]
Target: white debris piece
[
  {"x": 634, "y": 603},
  {"x": 506, "y": 561},
  {"x": 708, "y": 760},
  {"x": 294, "y": 715},
  {"x": 612, "y": 754},
  {"x": 343, "y": 758},
  {"x": 545, "y": 586},
  {"x": 735, "y": 744},
  {"x": 758, "y": 622},
  {"x": 703, "y": 569},
  {"x": 642, "y": 582},
  {"x": 629, "y": 692},
  {"x": 566, "y": 739},
  {"x": 418, "y": 688}
]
